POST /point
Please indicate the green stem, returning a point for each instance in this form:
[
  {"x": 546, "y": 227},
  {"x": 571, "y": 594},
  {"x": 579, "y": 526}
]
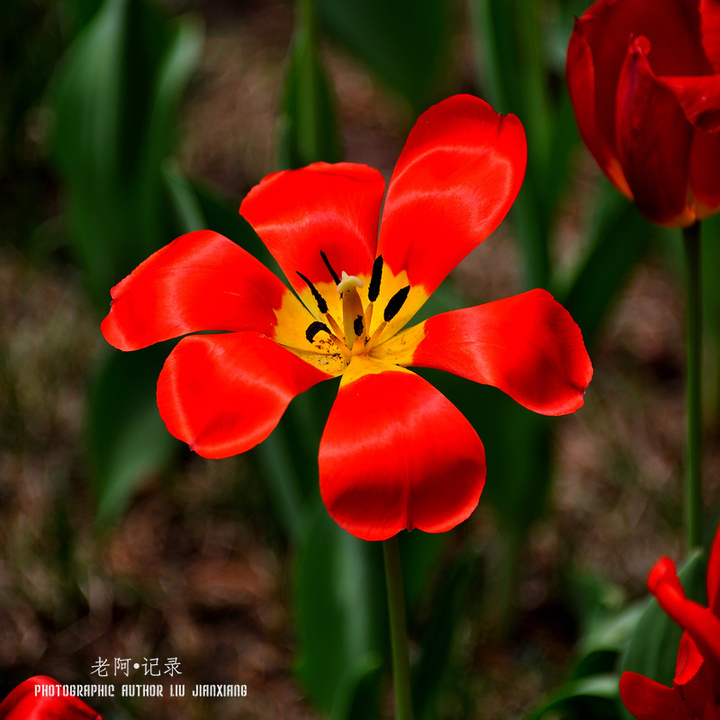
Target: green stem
[
  {"x": 693, "y": 342},
  {"x": 398, "y": 629}
]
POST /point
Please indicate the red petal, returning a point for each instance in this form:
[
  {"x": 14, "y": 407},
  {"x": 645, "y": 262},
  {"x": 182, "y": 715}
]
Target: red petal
[
  {"x": 649, "y": 700},
  {"x": 654, "y": 140},
  {"x": 710, "y": 28},
  {"x": 201, "y": 281},
  {"x": 674, "y": 34},
  {"x": 26, "y": 702},
  {"x": 527, "y": 346},
  {"x": 699, "y": 622},
  {"x": 689, "y": 661},
  {"x": 329, "y": 208},
  {"x": 713, "y": 576},
  {"x": 395, "y": 455},
  {"x": 695, "y": 681},
  {"x": 223, "y": 394},
  {"x": 580, "y": 70},
  {"x": 458, "y": 174},
  {"x": 693, "y": 678},
  {"x": 699, "y": 97}
]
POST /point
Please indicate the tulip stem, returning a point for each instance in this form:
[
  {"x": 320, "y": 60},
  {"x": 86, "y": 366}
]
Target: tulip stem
[
  {"x": 398, "y": 629},
  {"x": 693, "y": 343}
]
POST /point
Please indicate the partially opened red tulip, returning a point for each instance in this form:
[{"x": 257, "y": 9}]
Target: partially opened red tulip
[
  {"x": 695, "y": 694},
  {"x": 645, "y": 85},
  {"x": 395, "y": 453},
  {"x": 42, "y": 698}
]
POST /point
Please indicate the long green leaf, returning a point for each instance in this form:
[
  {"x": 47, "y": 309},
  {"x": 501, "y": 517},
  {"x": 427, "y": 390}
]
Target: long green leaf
[
  {"x": 621, "y": 238},
  {"x": 126, "y": 440},
  {"x": 115, "y": 98},
  {"x": 405, "y": 43},
  {"x": 307, "y": 127},
  {"x": 338, "y": 599},
  {"x": 589, "y": 698}
]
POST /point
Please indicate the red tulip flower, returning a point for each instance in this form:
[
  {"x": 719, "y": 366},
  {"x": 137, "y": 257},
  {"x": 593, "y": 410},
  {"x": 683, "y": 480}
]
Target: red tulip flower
[
  {"x": 645, "y": 85},
  {"x": 395, "y": 453},
  {"x": 42, "y": 698},
  {"x": 696, "y": 688}
]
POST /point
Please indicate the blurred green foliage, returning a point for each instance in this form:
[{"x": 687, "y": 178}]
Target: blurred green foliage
[
  {"x": 115, "y": 98},
  {"x": 406, "y": 43},
  {"x": 308, "y": 130}
]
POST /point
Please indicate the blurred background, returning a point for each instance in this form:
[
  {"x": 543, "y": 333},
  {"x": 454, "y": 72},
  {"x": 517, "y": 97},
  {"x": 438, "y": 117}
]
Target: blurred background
[{"x": 124, "y": 123}]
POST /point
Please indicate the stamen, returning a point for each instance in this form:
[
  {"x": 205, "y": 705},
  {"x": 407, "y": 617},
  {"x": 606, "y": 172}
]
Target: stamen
[
  {"x": 395, "y": 303},
  {"x": 314, "y": 328},
  {"x": 333, "y": 325},
  {"x": 319, "y": 299},
  {"x": 334, "y": 275},
  {"x": 374, "y": 287},
  {"x": 368, "y": 317},
  {"x": 374, "y": 338}
]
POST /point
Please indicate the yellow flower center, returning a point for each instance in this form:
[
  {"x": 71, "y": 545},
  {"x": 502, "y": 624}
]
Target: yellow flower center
[
  {"x": 354, "y": 321},
  {"x": 352, "y": 335}
]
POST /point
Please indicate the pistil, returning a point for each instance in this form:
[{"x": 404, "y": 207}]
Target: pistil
[{"x": 353, "y": 314}]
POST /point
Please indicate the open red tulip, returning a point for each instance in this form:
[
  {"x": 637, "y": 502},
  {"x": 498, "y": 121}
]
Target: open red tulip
[
  {"x": 42, "y": 698},
  {"x": 395, "y": 453},
  {"x": 644, "y": 80},
  {"x": 696, "y": 688}
]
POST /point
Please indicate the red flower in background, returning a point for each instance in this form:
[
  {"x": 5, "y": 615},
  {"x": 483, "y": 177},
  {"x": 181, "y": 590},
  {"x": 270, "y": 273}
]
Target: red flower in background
[
  {"x": 644, "y": 83},
  {"x": 395, "y": 453},
  {"x": 696, "y": 687},
  {"x": 27, "y": 702}
]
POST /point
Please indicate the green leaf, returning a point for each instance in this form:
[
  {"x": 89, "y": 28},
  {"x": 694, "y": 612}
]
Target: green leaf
[
  {"x": 621, "y": 237},
  {"x": 652, "y": 650},
  {"x": 78, "y": 13},
  {"x": 127, "y": 442},
  {"x": 307, "y": 125},
  {"x": 435, "y": 665},
  {"x": 508, "y": 38},
  {"x": 115, "y": 98},
  {"x": 339, "y": 601},
  {"x": 405, "y": 43},
  {"x": 420, "y": 553},
  {"x": 610, "y": 634},
  {"x": 188, "y": 211},
  {"x": 276, "y": 463},
  {"x": 584, "y": 699}
]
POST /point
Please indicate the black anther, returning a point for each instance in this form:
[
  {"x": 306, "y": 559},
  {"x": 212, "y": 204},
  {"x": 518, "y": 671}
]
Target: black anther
[
  {"x": 314, "y": 328},
  {"x": 374, "y": 287},
  {"x": 335, "y": 276},
  {"x": 395, "y": 303},
  {"x": 319, "y": 299}
]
